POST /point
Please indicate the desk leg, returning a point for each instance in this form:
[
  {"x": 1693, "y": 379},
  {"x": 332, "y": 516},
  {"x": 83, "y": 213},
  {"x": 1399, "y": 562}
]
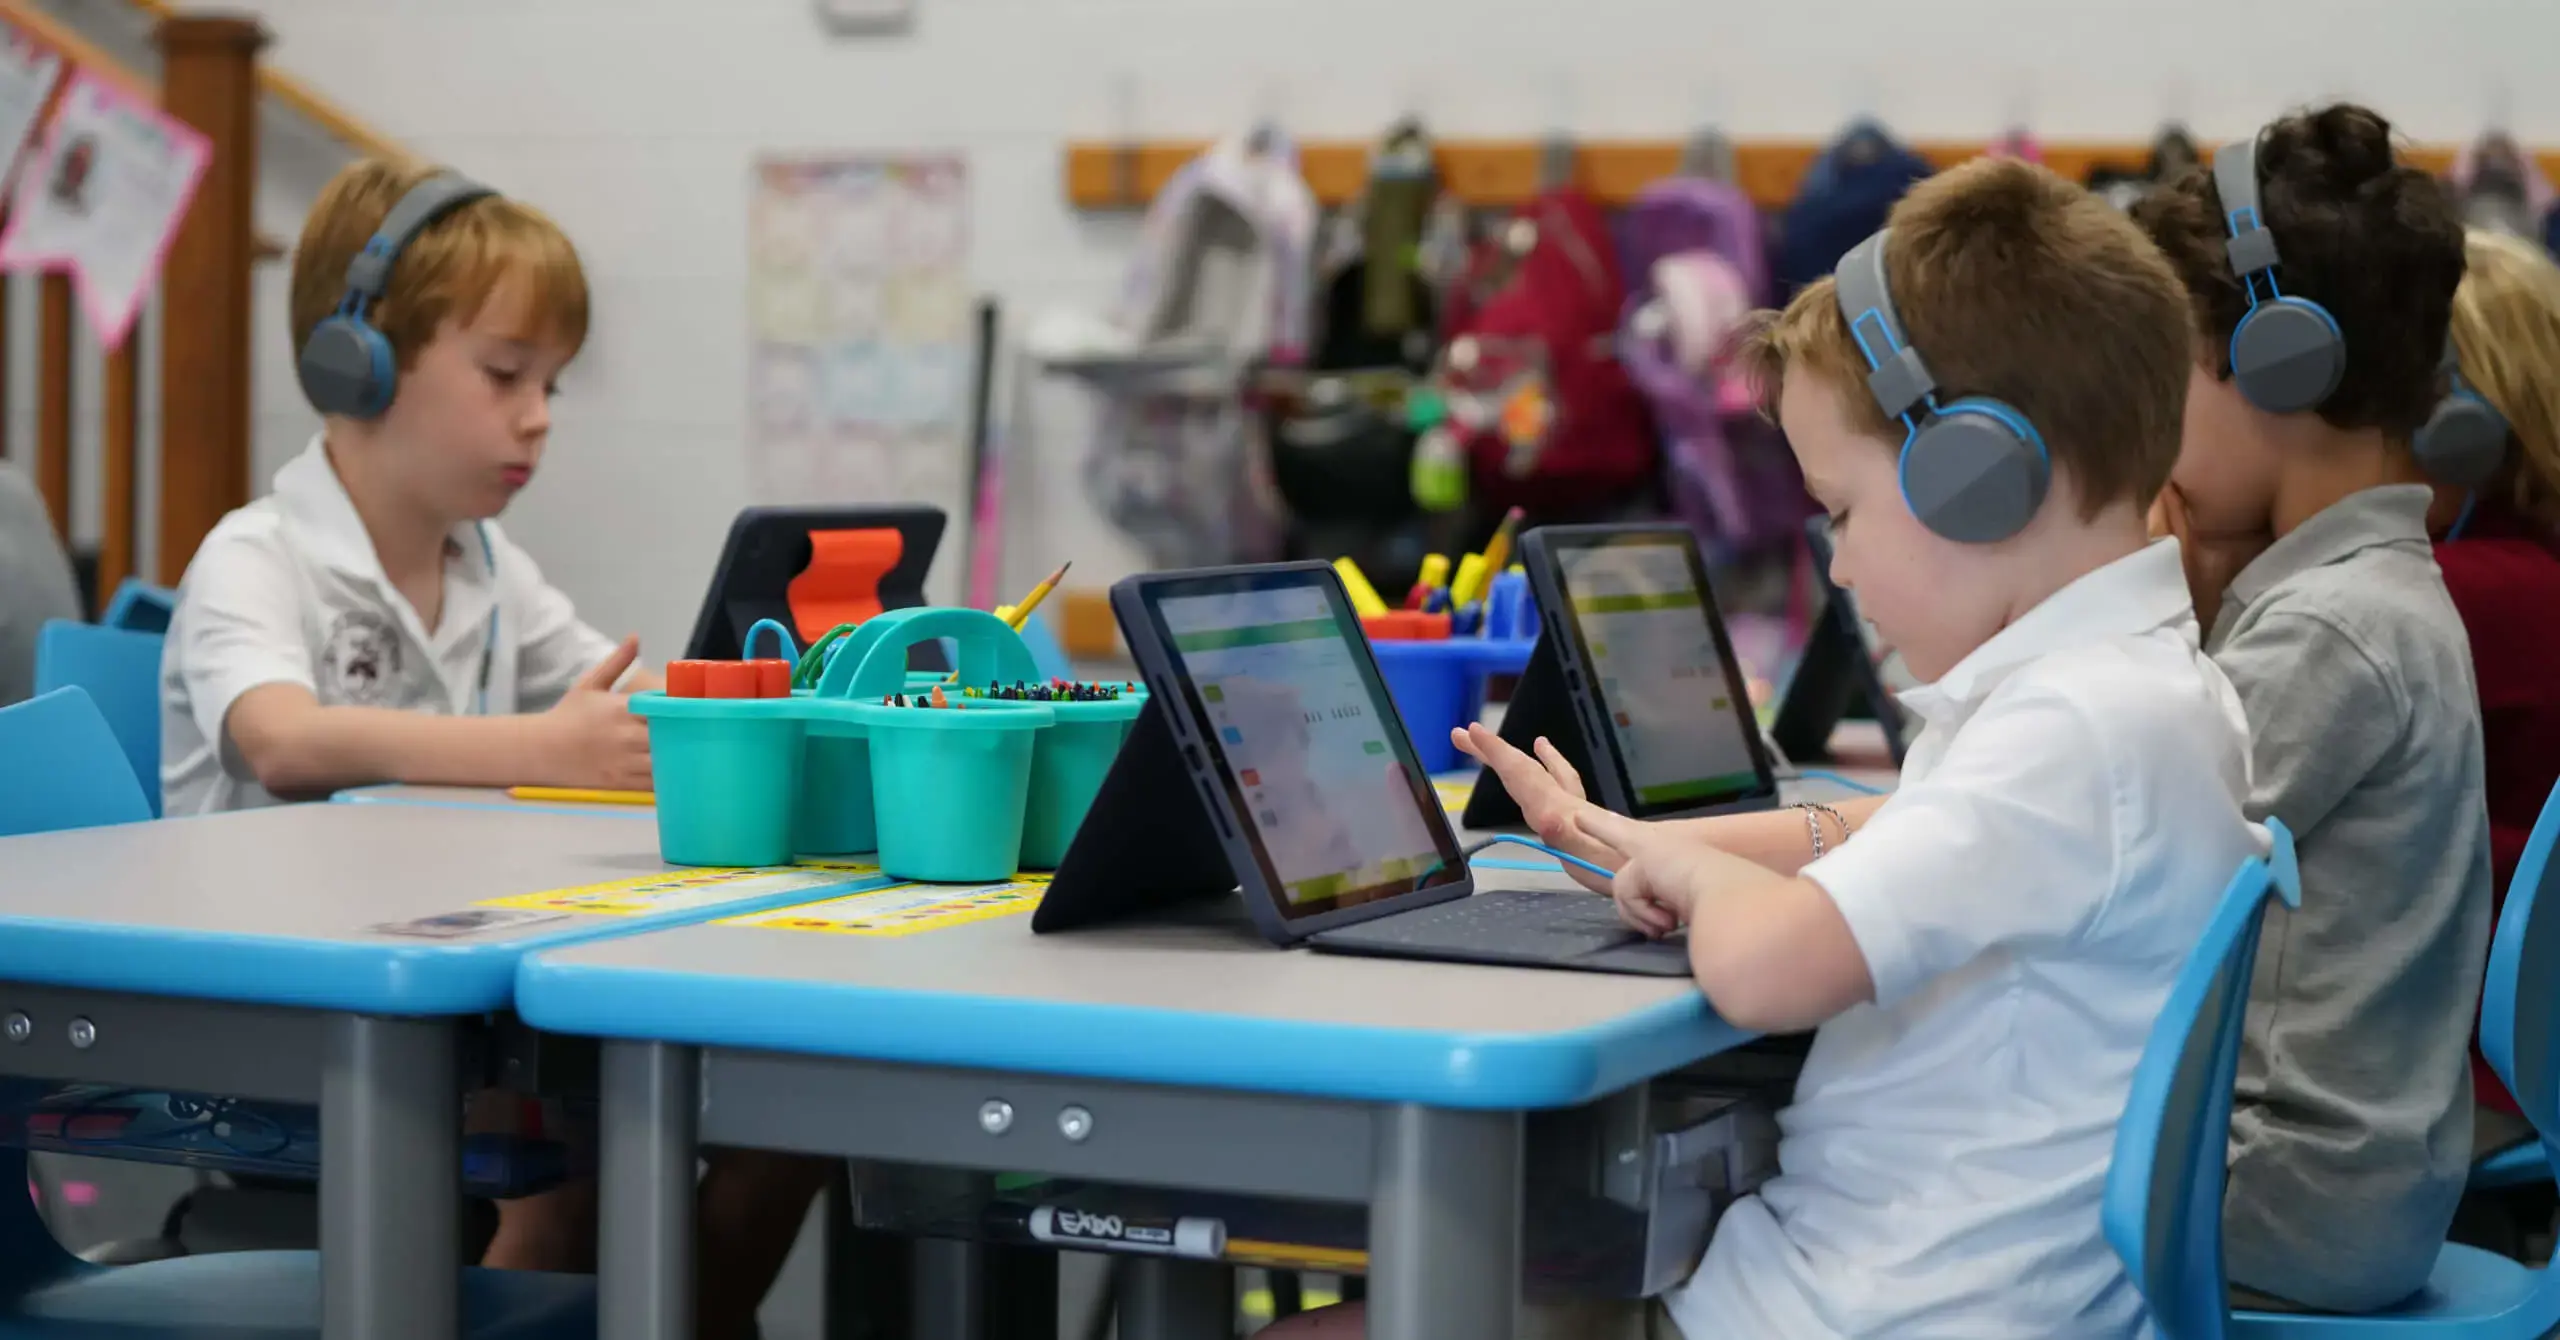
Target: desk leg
[
  {"x": 1162, "y": 1298},
  {"x": 390, "y": 1180},
  {"x": 950, "y": 1290},
  {"x": 1444, "y": 1225},
  {"x": 648, "y": 1121}
]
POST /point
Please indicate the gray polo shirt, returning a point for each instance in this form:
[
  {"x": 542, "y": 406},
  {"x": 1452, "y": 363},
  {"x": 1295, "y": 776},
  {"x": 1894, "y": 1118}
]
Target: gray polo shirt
[
  {"x": 2351, "y": 1133},
  {"x": 35, "y": 581}
]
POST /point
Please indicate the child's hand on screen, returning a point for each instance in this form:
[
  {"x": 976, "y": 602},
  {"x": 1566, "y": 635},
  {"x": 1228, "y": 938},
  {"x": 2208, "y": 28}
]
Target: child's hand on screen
[{"x": 1548, "y": 792}]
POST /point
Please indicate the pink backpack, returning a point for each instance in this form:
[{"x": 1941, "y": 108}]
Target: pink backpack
[{"x": 1696, "y": 254}]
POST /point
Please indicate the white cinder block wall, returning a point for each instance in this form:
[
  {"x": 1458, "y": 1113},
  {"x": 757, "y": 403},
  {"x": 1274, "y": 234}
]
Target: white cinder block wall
[{"x": 635, "y": 122}]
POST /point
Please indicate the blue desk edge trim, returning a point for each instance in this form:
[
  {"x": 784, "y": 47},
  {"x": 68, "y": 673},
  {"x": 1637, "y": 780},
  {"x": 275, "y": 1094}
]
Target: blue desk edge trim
[
  {"x": 1196, "y": 1050},
  {"x": 422, "y": 978}
]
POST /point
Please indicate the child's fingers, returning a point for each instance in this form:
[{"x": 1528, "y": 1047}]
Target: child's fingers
[
  {"x": 1559, "y": 768},
  {"x": 608, "y": 671}
]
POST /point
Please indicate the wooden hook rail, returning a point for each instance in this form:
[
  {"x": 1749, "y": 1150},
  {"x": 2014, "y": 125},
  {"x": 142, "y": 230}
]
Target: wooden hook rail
[{"x": 1101, "y": 176}]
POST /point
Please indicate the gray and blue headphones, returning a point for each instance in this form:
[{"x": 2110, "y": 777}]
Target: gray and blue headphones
[
  {"x": 347, "y": 366},
  {"x": 1973, "y": 469},
  {"x": 2465, "y": 440},
  {"x": 2288, "y": 353}
]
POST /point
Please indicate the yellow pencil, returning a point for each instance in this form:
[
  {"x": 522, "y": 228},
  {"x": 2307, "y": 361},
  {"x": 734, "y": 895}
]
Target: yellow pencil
[
  {"x": 1019, "y": 613},
  {"x": 583, "y": 795},
  {"x": 1497, "y": 551},
  {"x": 1022, "y": 610}
]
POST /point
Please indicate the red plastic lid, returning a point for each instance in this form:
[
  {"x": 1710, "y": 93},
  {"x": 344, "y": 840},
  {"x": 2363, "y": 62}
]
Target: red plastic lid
[
  {"x": 1405, "y": 626},
  {"x": 729, "y": 679},
  {"x": 773, "y": 678}
]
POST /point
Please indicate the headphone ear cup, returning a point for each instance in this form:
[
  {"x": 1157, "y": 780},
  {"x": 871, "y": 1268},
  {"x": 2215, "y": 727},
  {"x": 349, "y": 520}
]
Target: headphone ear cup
[
  {"x": 1974, "y": 472},
  {"x": 346, "y": 368},
  {"x": 2463, "y": 442},
  {"x": 2287, "y": 356}
]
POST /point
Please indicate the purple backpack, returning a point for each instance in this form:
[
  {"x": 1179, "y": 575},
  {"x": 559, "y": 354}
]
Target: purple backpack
[{"x": 1696, "y": 259}]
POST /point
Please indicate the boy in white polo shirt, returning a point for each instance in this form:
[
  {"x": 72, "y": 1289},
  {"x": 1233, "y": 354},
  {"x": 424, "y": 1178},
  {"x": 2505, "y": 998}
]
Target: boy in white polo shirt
[
  {"x": 1985, "y": 950},
  {"x": 367, "y": 621}
]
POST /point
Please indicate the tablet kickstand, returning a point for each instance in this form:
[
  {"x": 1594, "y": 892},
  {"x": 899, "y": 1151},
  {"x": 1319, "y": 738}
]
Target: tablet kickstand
[
  {"x": 1148, "y": 843},
  {"x": 1539, "y": 706}
]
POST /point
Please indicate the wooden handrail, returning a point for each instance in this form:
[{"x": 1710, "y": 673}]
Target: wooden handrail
[
  {"x": 1507, "y": 172},
  {"x": 81, "y": 53},
  {"x": 75, "y": 49},
  {"x": 305, "y": 101}
]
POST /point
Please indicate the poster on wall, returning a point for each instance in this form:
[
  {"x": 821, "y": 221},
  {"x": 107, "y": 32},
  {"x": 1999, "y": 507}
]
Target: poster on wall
[
  {"x": 102, "y": 198},
  {"x": 859, "y": 322}
]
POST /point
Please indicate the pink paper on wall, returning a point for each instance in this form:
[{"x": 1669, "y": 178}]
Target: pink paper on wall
[{"x": 102, "y": 197}]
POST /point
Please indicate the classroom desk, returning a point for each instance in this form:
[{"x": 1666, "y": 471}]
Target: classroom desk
[
  {"x": 1188, "y": 1055},
  {"x": 238, "y": 955}
]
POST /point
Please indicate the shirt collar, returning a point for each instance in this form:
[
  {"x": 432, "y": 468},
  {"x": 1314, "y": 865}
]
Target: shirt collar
[
  {"x": 326, "y": 523},
  {"x": 2390, "y": 514},
  {"x": 2134, "y": 594}
]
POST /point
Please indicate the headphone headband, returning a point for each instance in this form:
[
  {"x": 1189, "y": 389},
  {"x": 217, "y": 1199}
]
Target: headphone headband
[
  {"x": 2252, "y": 248},
  {"x": 1897, "y": 376},
  {"x": 420, "y": 206}
]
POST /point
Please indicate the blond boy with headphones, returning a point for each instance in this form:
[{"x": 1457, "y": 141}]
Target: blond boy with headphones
[{"x": 369, "y": 622}]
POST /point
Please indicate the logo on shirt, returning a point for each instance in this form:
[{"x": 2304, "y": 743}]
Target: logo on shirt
[{"x": 360, "y": 663}]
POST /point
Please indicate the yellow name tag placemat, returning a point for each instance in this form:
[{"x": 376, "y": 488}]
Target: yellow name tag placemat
[
  {"x": 684, "y": 890},
  {"x": 904, "y": 909}
]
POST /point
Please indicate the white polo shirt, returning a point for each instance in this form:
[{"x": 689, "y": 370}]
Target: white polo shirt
[
  {"x": 2065, "y": 824},
  {"x": 288, "y": 590}
]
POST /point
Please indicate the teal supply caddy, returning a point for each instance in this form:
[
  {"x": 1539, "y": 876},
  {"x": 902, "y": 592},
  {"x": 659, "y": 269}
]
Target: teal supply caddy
[
  {"x": 970, "y": 792},
  {"x": 949, "y": 785}
]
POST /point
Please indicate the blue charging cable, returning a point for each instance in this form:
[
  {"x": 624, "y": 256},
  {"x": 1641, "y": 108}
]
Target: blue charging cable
[
  {"x": 1565, "y": 856},
  {"x": 1826, "y": 775}
]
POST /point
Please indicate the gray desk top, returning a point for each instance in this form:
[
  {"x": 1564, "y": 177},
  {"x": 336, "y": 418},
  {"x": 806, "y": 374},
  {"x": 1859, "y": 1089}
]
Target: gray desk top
[
  {"x": 282, "y": 905},
  {"x": 1202, "y": 1002}
]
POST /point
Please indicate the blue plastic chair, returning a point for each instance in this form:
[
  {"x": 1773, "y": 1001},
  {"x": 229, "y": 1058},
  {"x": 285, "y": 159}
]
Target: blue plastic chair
[
  {"x": 121, "y": 671},
  {"x": 140, "y": 607},
  {"x": 2163, "y": 1209},
  {"x": 66, "y": 769},
  {"x": 75, "y": 776},
  {"x": 2531, "y": 1162}
]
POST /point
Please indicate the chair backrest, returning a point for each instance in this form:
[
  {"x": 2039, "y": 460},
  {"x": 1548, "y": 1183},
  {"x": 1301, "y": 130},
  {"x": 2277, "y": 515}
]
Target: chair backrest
[
  {"x": 30, "y": 1256},
  {"x": 2163, "y": 1208},
  {"x": 66, "y": 769},
  {"x": 141, "y": 607},
  {"x": 2520, "y": 998},
  {"x": 120, "y": 669}
]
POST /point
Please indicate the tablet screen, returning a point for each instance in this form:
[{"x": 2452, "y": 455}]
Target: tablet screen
[
  {"x": 1305, "y": 739},
  {"x": 1673, "y": 697}
]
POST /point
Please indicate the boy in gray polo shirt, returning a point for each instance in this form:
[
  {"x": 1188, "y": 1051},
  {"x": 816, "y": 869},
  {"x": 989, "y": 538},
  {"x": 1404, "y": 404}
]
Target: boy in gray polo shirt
[
  {"x": 2303, "y": 515},
  {"x": 35, "y": 582}
]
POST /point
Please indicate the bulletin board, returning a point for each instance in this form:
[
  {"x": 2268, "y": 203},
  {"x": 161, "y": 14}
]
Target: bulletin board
[{"x": 860, "y": 328}]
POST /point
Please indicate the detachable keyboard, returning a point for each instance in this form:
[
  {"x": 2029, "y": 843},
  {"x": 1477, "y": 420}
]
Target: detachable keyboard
[{"x": 1516, "y": 926}]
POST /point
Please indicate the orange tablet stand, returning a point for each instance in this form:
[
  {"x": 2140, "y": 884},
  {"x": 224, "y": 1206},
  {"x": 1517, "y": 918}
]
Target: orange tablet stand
[{"x": 842, "y": 582}]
